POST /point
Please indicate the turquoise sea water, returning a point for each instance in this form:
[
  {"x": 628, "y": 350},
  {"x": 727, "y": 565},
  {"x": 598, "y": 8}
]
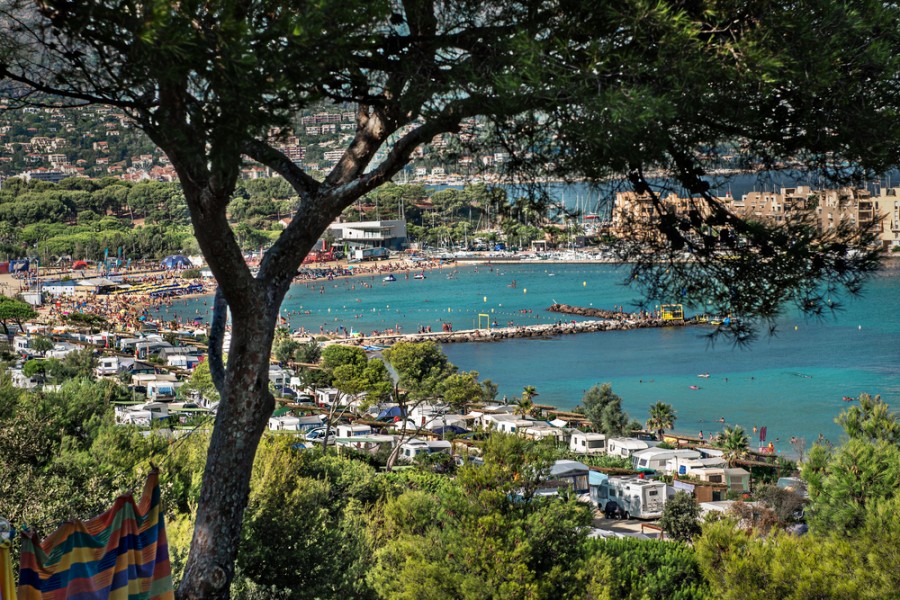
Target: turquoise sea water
[{"x": 793, "y": 383}]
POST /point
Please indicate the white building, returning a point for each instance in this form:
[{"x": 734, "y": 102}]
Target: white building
[
  {"x": 370, "y": 234},
  {"x": 59, "y": 288}
]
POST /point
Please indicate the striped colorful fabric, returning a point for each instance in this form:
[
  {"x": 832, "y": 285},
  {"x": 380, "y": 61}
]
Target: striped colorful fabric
[{"x": 120, "y": 555}]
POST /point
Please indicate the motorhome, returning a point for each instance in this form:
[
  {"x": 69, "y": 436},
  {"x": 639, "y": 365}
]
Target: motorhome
[{"x": 637, "y": 497}]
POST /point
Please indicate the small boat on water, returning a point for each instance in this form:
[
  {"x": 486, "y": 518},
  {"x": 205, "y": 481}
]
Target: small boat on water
[
  {"x": 419, "y": 276},
  {"x": 695, "y": 387},
  {"x": 390, "y": 278},
  {"x": 849, "y": 399},
  {"x": 704, "y": 375}
]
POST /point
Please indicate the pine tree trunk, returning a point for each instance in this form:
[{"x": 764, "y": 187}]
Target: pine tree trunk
[{"x": 245, "y": 406}]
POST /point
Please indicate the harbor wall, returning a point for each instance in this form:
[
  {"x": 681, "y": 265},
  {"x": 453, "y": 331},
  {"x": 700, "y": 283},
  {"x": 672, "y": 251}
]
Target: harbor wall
[{"x": 606, "y": 320}]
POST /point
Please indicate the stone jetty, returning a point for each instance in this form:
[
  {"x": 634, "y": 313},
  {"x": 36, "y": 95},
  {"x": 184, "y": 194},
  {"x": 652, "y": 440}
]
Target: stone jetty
[{"x": 606, "y": 320}]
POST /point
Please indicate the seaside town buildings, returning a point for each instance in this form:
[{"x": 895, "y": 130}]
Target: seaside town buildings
[
  {"x": 50, "y": 144},
  {"x": 633, "y": 213}
]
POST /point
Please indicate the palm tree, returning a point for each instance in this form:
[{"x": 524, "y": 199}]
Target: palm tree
[
  {"x": 662, "y": 417},
  {"x": 735, "y": 443},
  {"x": 525, "y": 407}
]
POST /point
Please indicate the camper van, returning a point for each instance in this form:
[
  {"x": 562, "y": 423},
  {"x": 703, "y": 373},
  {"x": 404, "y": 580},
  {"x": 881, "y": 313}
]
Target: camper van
[{"x": 636, "y": 497}]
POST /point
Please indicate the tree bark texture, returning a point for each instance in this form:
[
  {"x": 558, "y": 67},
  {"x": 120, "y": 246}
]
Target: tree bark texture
[{"x": 240, "y": 421}]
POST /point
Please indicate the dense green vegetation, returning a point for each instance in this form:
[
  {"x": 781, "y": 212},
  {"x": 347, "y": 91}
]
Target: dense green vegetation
[
  {"x": 82, "y": 218},
  {"x": 330, "y": 524}
]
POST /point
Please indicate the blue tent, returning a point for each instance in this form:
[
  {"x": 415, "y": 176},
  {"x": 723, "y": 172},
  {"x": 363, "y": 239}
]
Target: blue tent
[
  {"x": 176, "y": 261},
  {"x": 390, "y": 413}
]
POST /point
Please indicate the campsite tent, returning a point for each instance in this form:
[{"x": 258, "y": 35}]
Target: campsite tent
[
  {"x": 388, "y": 414},
  {"x": 80, "y": 264},
  {"x": 176, "y": 261}
]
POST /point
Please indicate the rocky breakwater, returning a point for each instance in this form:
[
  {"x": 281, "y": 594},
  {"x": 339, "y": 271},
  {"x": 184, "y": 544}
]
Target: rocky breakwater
[
  {"x": 636, "y": 320},
  {"x": 607, "y": 320}
]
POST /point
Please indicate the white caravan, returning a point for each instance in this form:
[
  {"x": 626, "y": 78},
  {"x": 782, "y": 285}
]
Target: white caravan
[{"x": 639, "y": 498}]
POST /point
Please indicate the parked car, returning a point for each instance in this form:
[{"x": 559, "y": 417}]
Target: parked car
[{"x": 318, "y": 435}]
